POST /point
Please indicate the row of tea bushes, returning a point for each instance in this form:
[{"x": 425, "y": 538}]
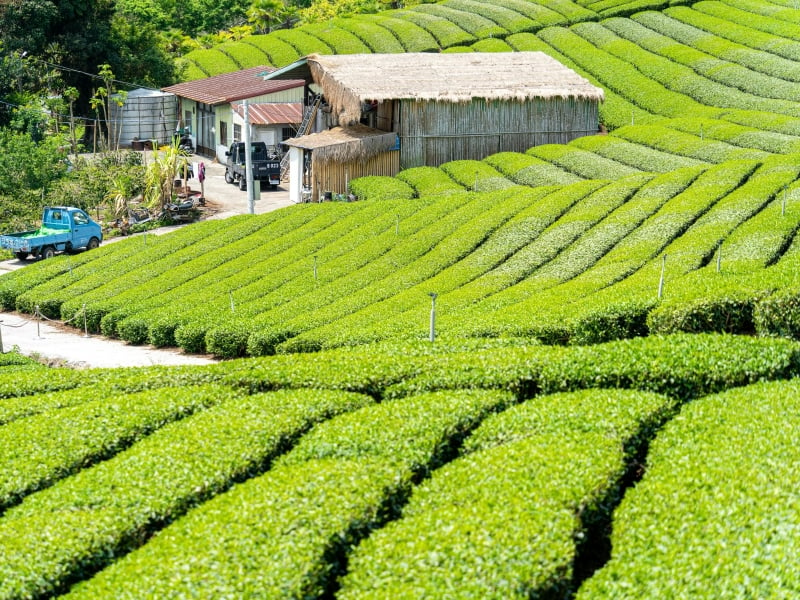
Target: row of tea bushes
[
  {"x": 746, "y": 24},
  {"x": 719, "y": 496},
  {"x": 362, "y": 233},
  {"x": 411, "y": 261},
  {"x": 276, "y": 244},
  {"x": 689, "y": 144},
  {"x": 506, "y": 519},
  {"x": 557, "y": 219},
  {"x": 60, "y": 442},
  {"x": 718, "y": 46},
  {"x": 378, "y": 245},
  {"x": 686, "y": 79},
  {"x": 294, "y": 525},
  {"x": 725, "y": 72},
  {"x": 628, "y": 271},
  {"x": 149, "y": 485}
]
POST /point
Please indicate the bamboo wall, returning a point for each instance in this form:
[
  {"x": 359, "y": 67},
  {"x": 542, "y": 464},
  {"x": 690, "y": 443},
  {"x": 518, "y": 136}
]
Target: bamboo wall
[
  {"x": 432, "y": 133},
  {"x": 334, "y": 177}
]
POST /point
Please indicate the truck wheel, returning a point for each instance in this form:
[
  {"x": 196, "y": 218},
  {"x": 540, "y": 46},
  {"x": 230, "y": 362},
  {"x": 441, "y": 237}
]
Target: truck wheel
[
  {"x": 48, "y": 252},
  {"x": 93, "y": 244},
  {"x": 242, "y": 183},
  {"x": 228, "y": 176},
  {"x": 21, "y": 255}
]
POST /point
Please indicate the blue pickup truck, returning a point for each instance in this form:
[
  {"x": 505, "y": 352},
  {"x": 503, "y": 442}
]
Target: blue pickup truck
[{"x": 64, "y": 228}]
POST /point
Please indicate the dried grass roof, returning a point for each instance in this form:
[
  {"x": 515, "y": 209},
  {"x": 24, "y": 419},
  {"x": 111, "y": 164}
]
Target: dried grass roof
[
  {"x": 348, "y": 80},
  {"x": 345, "y": 144}
]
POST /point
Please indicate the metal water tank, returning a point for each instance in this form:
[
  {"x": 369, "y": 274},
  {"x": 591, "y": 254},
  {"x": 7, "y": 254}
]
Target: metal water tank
[{"x": 144, "y": 115}]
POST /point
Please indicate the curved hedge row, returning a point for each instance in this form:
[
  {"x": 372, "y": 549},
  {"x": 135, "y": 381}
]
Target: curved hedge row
[{"x": 719, "y": 495}]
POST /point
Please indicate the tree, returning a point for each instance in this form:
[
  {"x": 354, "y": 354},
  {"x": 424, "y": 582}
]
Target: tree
[{"x": 263, "y": 13}]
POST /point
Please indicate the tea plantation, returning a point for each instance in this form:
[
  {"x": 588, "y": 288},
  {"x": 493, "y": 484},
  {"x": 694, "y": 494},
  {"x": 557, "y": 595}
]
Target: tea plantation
[{"x": 608, "y": 409}]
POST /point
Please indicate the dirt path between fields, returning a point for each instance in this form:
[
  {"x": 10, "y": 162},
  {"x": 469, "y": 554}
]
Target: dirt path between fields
[{"x": 61, "y": 345}]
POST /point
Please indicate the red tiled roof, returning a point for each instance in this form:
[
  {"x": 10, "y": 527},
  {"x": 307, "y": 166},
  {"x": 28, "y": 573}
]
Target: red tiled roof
[
  {"x": 230, "y": 87},
  {"x": 272, "y": 113}
]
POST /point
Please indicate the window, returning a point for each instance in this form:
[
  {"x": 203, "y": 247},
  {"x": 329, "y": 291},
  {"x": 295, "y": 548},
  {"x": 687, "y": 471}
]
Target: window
[
  {"x": 80, "y": 218},
  {"x": 187, "y": 120},
  {"x": 223, "y": 133},
  {"x": 287, "y": 133},
  {"x": 237, "y": 133}
]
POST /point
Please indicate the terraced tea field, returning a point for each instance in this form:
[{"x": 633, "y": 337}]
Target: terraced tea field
[{"x": 608, "y": 408}]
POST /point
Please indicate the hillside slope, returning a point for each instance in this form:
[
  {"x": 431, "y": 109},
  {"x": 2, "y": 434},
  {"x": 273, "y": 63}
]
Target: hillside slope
[{"x": 564, "y": 436}]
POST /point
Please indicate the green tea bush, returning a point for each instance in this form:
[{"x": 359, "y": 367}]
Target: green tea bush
[
  {"x": 719, "y": 19},
  {"x": 212, "y": 62},
  {"x": 507, "y": 232},
  {"x": 623, "y": 78},
  {"x": 525, "y": 169},
  {"x": 17, "y": 282},
  {"x": 445, "y": 33},
  {"x": 476, "y": 175},
  {"x": 412, "y": 37},
  {"x": 685, "y": 79},
  {"x": 376, "y": 187},
  {"x": 636, "y": 156},
  {"x": 722, "y": 71},
  {"x": 582, "y": 163},
  {"x": 245, "y": 55},
  {"x": 619, "y": 291},
  {"x": 345, "y": 477},
  {"x": 673, "y": 141},
  {"x": 542, "y": 15},
  {"x": 470, "y": 21},
  {"x": 428, "y": 181},
  {"x": 743, "y": 136},
  {"x": 498, "y": 522},
  {"x": 683, "y": 366},
  {"x": 302, "y": 41},
  {"x": 491, "y": 45},
  {"x": 150, "y": 485},
  {"x": 479, "y": 219},
  {"x": 339, "y": 40},
  {"x": 378, "y": 39},
  {"x": 512, "y": 21},
  {"x": 723, "y": 48},
  {"x": 351, "y": 256},
  {"x": 279, "y": 248},
  {"x": 718, "y": 495},
  {"x": 279, "y": 52},
  {"x": 58, "y": 443}
]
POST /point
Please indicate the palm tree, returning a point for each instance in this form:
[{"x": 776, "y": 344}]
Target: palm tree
[{"x": 263, "y": 13}]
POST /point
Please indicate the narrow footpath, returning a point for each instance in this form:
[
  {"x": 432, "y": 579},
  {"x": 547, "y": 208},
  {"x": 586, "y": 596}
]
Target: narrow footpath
[{"x": 72, "y": 348}]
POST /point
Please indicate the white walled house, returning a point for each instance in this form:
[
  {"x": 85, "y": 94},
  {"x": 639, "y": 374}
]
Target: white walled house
[{"x": 205, "y": 106}]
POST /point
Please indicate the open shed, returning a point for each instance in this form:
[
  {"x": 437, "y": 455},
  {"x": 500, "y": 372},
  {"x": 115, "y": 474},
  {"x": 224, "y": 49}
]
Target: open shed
[
  {"x": 326, "y": 161},
  {"x": 447, "y": 107}
]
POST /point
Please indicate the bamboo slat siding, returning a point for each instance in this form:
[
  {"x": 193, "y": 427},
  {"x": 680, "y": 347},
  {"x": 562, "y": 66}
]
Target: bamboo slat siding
[
  {"x": 334, "y": 177},
  {"x": 432, "y": 133}
]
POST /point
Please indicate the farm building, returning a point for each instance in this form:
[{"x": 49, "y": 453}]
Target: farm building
[
  {"x": 207, "y": 108},
  {"x": 441, "y": 107}
]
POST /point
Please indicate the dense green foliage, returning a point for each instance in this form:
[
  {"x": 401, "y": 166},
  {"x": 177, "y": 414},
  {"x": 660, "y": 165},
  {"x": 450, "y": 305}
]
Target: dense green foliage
[{"x": 488, "y": 440}]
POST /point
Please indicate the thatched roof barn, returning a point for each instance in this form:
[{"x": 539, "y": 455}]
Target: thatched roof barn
[
  {"x": 350, "y": 80},
  {"x": 447, "y": 107}
]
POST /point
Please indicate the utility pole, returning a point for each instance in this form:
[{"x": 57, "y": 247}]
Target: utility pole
[{"x": 248, "y": 161}]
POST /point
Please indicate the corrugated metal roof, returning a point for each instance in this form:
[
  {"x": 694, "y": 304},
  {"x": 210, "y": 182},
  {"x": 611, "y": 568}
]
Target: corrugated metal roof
[
  {"x": 230, "y": 87},
  {"x": 272, "y": 113}
]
